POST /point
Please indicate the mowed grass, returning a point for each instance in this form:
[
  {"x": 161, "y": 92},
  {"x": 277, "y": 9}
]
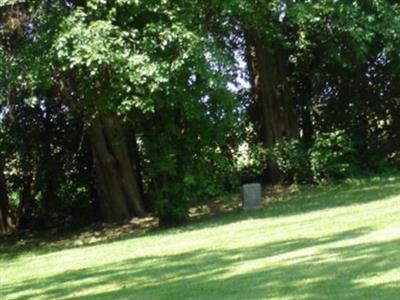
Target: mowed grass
[{"x": 333, "y": 242}]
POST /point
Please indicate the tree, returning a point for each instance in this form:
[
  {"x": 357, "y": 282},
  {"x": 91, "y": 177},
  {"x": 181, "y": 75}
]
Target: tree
[
  {"x": 118, "y": 71},
  {"x": 263, "y": 31},
  {"x": 4, "y": 206}
]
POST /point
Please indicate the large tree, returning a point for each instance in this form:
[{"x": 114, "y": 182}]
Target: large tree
[
  {"x": 123, "y": 68},
  {"x": 315, "y": 66},
  {"x": 262, "y": 36}
]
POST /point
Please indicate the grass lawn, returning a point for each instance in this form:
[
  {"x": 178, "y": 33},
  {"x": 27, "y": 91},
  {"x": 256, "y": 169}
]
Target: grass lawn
[{"x": 337, "y": 242}]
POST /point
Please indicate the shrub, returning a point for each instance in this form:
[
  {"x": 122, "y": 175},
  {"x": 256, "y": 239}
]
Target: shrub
[
  {"x": 250, "y": 162},
  {"x": 293, "y": 161},
  {"x": 332, "y": 156}
]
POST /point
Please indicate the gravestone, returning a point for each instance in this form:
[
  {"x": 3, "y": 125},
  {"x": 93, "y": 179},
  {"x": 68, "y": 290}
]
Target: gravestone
[{"x": 251, "y": 196}]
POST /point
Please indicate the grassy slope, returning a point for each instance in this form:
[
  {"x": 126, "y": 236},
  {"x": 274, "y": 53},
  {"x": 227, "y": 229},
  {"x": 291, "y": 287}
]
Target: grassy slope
[{"x": 338, "y": 242}]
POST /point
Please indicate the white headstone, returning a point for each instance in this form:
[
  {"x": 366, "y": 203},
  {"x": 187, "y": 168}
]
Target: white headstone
[{"x": 251, "y": 196}]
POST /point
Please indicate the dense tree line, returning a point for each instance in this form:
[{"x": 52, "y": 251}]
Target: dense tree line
[{"x": 115, "y": 109}]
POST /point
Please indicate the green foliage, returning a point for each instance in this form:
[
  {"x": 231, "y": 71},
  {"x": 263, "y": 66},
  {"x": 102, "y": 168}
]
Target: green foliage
[
  {"x": 125, "y": 64},
  {"x": 250, "y": 162},
  {"x": 332, "y": 156},
  {"x": 188, "y": 168},
  {"x": 293, "y": 160}
]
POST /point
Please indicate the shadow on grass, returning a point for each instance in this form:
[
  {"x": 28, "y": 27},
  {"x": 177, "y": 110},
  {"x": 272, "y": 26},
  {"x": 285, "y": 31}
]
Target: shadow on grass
[
  {"x": 293, "y": 269},
  {"x": 308, "y": 199}
]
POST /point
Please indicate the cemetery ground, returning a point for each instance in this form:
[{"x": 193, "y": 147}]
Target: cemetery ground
[{"x": 331, "y": 242}]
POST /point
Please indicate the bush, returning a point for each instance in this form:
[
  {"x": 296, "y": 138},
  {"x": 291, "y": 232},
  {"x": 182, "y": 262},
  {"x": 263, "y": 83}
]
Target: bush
[
  {"x": 293, "y": 161},
  {"x": 250, "y": 162},
  {"x": 332, "y": 156}
]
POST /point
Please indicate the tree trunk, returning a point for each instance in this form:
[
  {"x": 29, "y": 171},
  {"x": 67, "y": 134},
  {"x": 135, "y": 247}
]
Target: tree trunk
[
  {"x": 275, "y": 111},
  {"x": 137, "y": 167},
  {"x": 48, "y": 170},
  {"x": 4, "y": 217},
  {"x": 307, "y": 126},
  {"x": 26, "y": 207},
  {"x": 117, "y": 185}
]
